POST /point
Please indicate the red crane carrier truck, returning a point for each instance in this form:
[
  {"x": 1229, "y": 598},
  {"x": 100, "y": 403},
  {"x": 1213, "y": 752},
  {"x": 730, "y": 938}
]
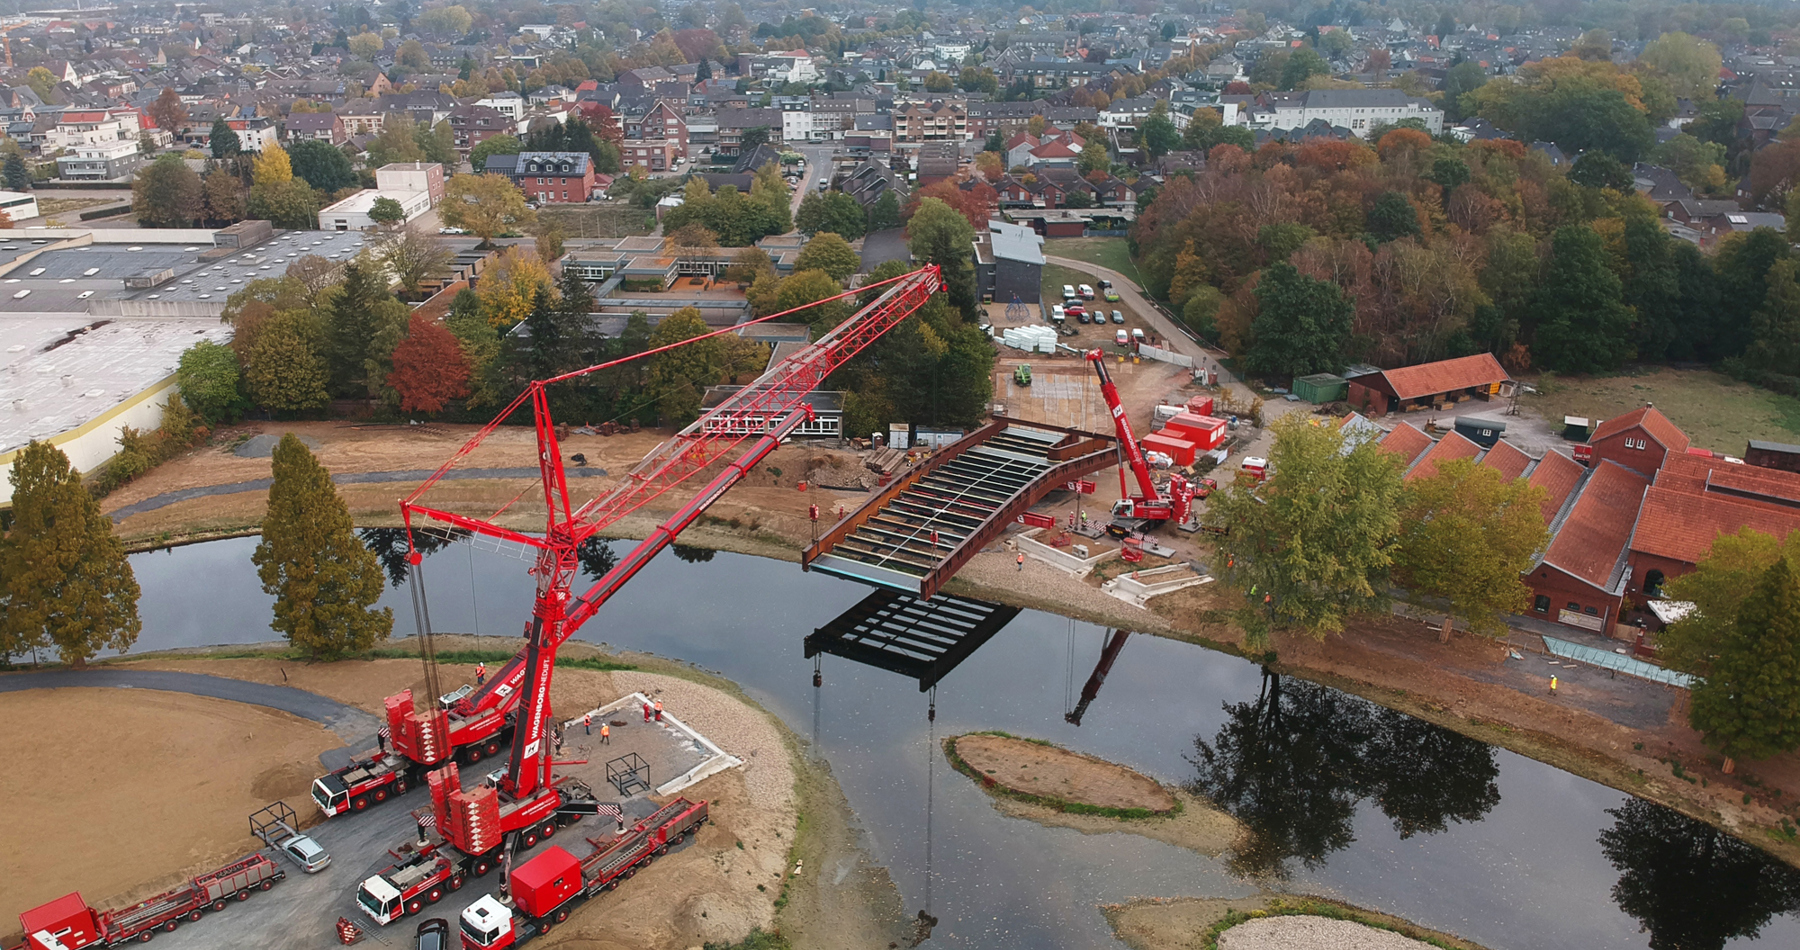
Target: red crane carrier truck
[{"x": 68, "y": 923}]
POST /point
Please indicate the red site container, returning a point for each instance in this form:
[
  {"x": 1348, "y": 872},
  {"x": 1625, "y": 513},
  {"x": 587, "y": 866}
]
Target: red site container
[
  {"x": 1204, "y": 431},
  {"x": 1179, "y": 449}
]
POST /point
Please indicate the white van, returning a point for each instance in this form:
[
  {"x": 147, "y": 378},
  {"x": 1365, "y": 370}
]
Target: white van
[
  {"x": 1120, "y": 338},
  {"x": 1137, "y": 335},
  {"x": 1056, "y": 313},
  {"x": 1068, "y": 293},
  {"x": 1087, "y": 293}
]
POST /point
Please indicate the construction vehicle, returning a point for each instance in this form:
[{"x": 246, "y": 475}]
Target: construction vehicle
[
  {"x": 68, "y": 923},
  {"x": 546, "y": 888},
  {"x": 376, "y": 779},
  {"x": 1022, "y": 374},
  {"x": 1151, "y": 506},
  {"x": 278, "y": 829},
  {"x": 524, "y": 801}
]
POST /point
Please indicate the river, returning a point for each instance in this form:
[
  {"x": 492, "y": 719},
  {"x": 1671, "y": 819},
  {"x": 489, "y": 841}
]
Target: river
[{"x": 1347, "y": 799}]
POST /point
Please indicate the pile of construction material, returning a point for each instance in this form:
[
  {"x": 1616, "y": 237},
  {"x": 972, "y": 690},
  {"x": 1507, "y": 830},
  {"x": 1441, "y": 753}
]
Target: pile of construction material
[{"x": 1033, "y": 338}]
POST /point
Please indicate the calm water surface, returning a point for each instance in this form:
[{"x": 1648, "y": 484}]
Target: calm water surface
[{"x": 1347, "y": 799}]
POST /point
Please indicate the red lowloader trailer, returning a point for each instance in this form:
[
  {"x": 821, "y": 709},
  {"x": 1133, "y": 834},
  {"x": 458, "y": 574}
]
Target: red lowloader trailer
[
  {"x": 546, "y": 888},
  {"x": 68, "y": 923}
]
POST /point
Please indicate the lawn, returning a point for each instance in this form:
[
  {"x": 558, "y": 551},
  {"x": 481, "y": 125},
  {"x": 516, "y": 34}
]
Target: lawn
[
  {"x": 1110, "y": 252},
  {"x": 600, "y": 219},
  {"x": 1717, "y": 412}
]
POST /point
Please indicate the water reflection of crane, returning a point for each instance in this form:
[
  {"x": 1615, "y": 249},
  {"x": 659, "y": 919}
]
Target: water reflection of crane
[{"x": 1109, "y": 651}]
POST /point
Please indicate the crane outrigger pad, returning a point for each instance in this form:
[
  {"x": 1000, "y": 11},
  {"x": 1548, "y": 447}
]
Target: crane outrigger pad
[
  {"x": 921, "y": 639},
  {"x": 914, "y": 535}
]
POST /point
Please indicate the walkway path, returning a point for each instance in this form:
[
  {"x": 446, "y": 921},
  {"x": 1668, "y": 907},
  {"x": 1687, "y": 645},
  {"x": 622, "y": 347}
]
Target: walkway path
[
  {"x": 347, "y": 478},
  {"x": 350, "y": 723}
]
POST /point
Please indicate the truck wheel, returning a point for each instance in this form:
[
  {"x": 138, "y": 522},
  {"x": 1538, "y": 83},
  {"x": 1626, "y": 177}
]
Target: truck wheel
[
  {"x": 482, "y": 866},
  {"x": 266, "y": 885},
  {"x": 400, "y": 786},
  {"x": 145, "y": 936},
  {"x": 172, "y": 924},
  {"x": 381, "y": 795},
  {"x": 359, "y": 803},
  {"x": 456, "y": 882},
  {"x": 662, "y": 849},
  {"x": 548, "y": 830},
  {"x": 244, "y": 894},
  {"x": 492, "y": 747},
  {"x": 531, "y": 838},
  {"x": 562, "y": 914},
  {"x": 414, "y": 906},
  {"x": 472, "y": 754},
  {"x": 219, "y": 904},
  {"x": 194, "y": 914}
]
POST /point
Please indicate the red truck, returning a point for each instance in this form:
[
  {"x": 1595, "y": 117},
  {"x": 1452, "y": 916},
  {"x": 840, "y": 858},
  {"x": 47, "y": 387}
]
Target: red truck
[
  {"x": 68, "y": 923},
  {"x": 416, "y": 880},
  {"x": 365, "y": 782},
  {"x": 546, "y": 888}
]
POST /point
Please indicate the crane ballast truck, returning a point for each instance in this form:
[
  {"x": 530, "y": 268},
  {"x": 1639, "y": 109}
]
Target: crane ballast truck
[{"x": 546, "y": 888}]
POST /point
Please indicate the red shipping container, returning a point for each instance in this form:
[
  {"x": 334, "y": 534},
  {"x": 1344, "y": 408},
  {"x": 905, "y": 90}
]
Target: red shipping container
[
  {"x": 545, "y": 882},
  {"x": 1204, "y": 431},
  {"x": 1200, "y": 405},
  {"x": 1181, "y": 450}
]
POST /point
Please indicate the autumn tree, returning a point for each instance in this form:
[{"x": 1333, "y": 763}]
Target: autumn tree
[
  {"x": 386, "y": 211},
  {"x": 1749, "y": 707},
  {"x": 1466, "y": 535},
  {"x": 285, "y": 369},
  {"x": 1689, "y": 65},
  {"x": 222, "y": 196},
  {"x": 485, "y": 205},
  {"x": 64, "y": 579},
  {"x": 510, "y": 286},
  {"x": 678, "y": 379},
  {"x": 411, "y": 255},
  {"x": 325, "y": 581},
  {"x": 830, "y": 253},
  {"x": 166, "y": 112},
  {"x": 429, "y": 368},
  {"x": 694, "y": 241},
  {"x": 1315, "y": 543}
]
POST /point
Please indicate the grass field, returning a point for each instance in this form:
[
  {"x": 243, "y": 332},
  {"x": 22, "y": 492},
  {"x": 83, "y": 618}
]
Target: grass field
[
  {"x": 1106, "y": 251},
  {"x": 598, "y": 220},
  {"x": 1054, "y": 279},
  {"x": 1717, "y": 412}
]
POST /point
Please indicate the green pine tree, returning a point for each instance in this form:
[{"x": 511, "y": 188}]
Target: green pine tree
[
  {"x": 17, "y": 176},
  {"x": 1750, "y": 706},
  {"x": 1583, "y": 323},
  {"x": 225, "y": 141},
  {"x": 66, "y": 581},
  {"x": 324, "y": 580}
]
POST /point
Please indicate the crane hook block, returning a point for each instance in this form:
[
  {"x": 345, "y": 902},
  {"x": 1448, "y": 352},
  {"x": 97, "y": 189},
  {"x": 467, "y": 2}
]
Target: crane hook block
[
  {"x": 813, "y": 510},
  {"x": 413, "y": 557}
]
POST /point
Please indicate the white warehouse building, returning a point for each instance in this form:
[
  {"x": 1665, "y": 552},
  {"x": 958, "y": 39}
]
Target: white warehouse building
[{"x": 1358, "y": 110}]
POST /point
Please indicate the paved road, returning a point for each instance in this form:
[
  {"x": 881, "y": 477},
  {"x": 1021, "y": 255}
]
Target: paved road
[
  {"x": 351, "y": 724},
  {"x": 818, "y": 161},
  {"x": 347, "y": 478}
]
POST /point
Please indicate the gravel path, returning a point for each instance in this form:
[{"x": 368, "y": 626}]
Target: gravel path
[
  {"x": 348, "y": 478},
  {"x": 1312, "y": 933}
]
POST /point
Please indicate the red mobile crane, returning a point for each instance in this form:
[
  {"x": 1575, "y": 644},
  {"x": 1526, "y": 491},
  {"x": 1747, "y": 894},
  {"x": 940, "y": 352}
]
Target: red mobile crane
[
  {"x": 526, "y": 798},
  {"x": 1150, "y": 506}
]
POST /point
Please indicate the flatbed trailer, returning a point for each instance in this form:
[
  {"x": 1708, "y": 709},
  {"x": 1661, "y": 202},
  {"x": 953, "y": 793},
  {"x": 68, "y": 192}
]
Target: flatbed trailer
[
  {"x": 68, "y": 923},
  {"x": 547, "y": 888}
]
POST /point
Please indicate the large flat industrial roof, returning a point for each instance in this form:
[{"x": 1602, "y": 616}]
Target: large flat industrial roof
[{"x": 68, "y": 279}]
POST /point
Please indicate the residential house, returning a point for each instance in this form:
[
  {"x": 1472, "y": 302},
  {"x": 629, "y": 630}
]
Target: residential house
[
  {"x": 552, "y": 177},
  {"x": 316, "y": 126},
  {"x": 936, "y": 121},
  {"x": 470, "y": 125}
]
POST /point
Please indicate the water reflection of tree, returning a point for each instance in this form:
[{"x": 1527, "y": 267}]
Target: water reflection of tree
[
  {"x": 693, "y": 555},
  {"x": 389, "y": 546},
  {"x": 1293, "y": 765},
  {"x": 596, "y": 557},
  {"x": 1693, "y": 886}
]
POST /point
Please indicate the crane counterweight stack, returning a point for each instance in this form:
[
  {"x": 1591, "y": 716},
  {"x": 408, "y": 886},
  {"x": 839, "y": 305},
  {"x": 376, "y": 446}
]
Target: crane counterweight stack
[
  {"x": 527, "y": 797},
  {"x": 1151, "y": 505}
]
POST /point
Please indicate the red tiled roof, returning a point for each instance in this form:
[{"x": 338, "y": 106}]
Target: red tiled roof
[
  {"x": 1407, "y": 442},
  {"x": 1682, "y": 526},
  {"x": 1452, "y": 446},
  {"x": 1053, "y": 150},
  {"x": 1771, "y": 486},
  {"x": 1557, "y": 474},
  {"x": 1506, "y": 459},
  {"x": 1427, "y": 379},
  {"x": 1599, "y": 526},
  {"x": 1666, "y": 433}
]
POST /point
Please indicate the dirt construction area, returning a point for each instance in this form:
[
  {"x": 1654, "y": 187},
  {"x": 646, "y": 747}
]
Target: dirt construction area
[
  {"x": 132, "y": 790},
  {"x": 144, "y": 788}
]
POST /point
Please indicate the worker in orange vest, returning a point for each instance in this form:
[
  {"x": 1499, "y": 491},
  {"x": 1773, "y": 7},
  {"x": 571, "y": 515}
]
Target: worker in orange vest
[
  {"x": 605, "y": 734},
  {"x": 587, "y": 724},
  {"x": 480, "y": 673},
  {"x": 659, "y": 710},
  {"x": 1021, "y": 560}
]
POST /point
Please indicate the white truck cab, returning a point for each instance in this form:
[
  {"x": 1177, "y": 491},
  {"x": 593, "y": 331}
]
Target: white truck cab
[
  {"x": 380, "y": 900},
  {"x": 486, "y": 923}
]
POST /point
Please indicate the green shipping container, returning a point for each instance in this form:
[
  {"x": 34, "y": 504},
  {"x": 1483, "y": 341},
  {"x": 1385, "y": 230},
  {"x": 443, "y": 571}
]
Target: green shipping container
[{"x": 1320, "y": 388}]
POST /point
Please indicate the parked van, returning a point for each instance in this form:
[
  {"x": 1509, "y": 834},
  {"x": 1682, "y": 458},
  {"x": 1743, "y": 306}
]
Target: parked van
[
  {"x": 1087, "y": 293},
  {"x": 1121, "y": 339},
  {"x": 1068, "y": 293},
  {"x": 1057, "y": 313},
  {"x": 1137, "y": 335}
]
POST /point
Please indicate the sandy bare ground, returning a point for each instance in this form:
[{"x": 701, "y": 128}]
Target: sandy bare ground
[
  {"x": 1163, "y": 923},
  {"x": 1050, "y": 772},
  {"x": 1199, "y": 827},
  {"x": 121, "y": 793},
  {"x": 1302, "y": 932}
]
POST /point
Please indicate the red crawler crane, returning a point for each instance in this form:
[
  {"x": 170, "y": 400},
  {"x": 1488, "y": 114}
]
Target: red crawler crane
[{"x": 527, "y": 796}]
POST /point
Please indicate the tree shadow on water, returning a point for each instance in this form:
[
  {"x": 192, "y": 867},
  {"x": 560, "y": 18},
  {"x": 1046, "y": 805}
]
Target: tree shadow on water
[{"x": 1294, "y": 764}]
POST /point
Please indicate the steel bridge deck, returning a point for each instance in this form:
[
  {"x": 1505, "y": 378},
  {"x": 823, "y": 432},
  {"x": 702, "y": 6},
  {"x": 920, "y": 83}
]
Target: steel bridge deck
[
  {"x": 916, "y": 533},
  {"x": 920, "y": 639}
]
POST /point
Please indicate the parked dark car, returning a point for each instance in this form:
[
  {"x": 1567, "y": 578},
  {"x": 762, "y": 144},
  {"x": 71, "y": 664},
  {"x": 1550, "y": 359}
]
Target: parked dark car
[{"x": 434, "y": 934}]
